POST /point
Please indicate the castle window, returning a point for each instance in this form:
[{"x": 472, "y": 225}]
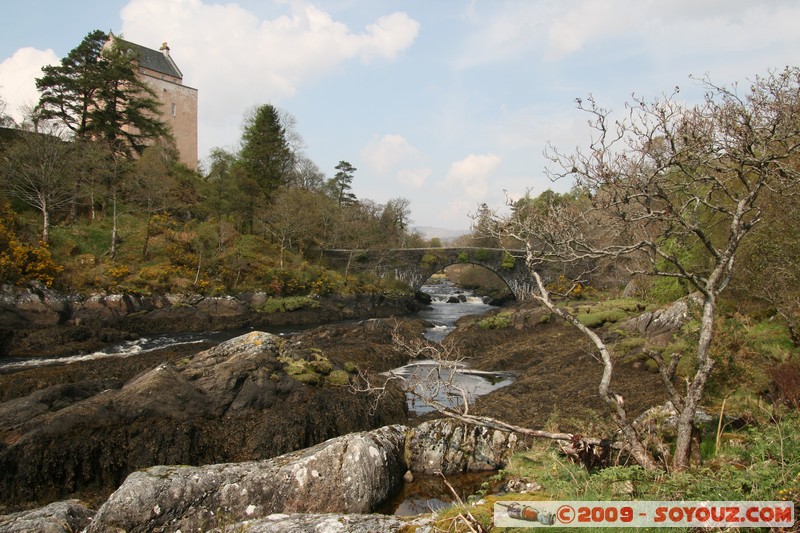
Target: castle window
[{"x": 174, "y": 109}]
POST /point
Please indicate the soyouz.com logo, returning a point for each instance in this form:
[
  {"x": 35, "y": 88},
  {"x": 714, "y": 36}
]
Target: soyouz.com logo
[{"x": 643, "y": 514}]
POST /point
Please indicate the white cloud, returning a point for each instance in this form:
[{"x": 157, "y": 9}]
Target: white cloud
[
  {"x": 470, "y": 176},
  {"x": 238, "y": 60},
  {"x": 387, "y": 152},
  {"x": 392, "y": 156},
  {"x": 17, "y": 79},
  {"x": 556, "y": 29},
  {"x": 414, "y": 177}
]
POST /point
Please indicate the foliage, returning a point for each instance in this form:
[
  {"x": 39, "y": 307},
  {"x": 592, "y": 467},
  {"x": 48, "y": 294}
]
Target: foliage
[
  {"x": 568, "y": 288},
  {"x": 430, "y": 260},
  {"x": 21, "y": 262},
  {"x": 95, "y": 92},
  {"x": 291, "y": 303},
  {"x": 501, "y": 320},
  {"x": 39, "y": 170},
  {"x": 341, "y": 184},
  {"x": 508, "y": 262},
  {"x": 672, "y": 191},
  {"x": 265, "y": 155},
  {"x": 463, "y": 257},
  {"x": 482, "y": 254},
  {"x": 786, "y": 383},
  {"x": 759, "y": 462}
]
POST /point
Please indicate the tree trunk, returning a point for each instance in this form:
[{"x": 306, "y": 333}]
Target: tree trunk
[
  {"x": 45, "y": 224},
  {"x": 113, "y": 250},
  {"x": 694, "y": 390},
  {"x": 147, "y": 237}
]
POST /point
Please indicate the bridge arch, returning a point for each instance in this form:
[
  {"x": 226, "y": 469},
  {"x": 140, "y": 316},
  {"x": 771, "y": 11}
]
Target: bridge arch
[{"x": 415, "y": 266}]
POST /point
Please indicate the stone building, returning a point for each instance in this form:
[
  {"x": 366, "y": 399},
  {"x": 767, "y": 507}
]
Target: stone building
[{"x": 178, "y": 101}]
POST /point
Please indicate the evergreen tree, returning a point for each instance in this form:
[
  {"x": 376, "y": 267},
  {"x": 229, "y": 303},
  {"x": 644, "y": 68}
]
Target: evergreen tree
[
  {"x": 340, "y": 184},
  {"x": 96, "y": 94},
  {"x": 265, "y": 154}
]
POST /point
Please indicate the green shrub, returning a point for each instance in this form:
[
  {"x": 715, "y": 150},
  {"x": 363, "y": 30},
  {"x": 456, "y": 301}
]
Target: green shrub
[
  {"x": 483, "y": 255},
  {"x": 498, "y": 321},
  {"x": 430, "y": 260},
  {"x": 463, "y": 257},
  {"x": 508, "y": 262},
  {"x": 292, "y": 303},
  {"x": 339, "y": 377}
]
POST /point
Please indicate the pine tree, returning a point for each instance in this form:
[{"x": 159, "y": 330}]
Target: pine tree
[{"x": 96, "y": 94}]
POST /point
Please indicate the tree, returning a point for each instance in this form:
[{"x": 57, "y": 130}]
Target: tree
[
  {"x": 770, "y": 262},
  {"x": 5, "y": 120},
  {"x": 265, "y": 154},
  {"x": 341, "y": 184},
  {"x": 69, "y": 90},
  {"x": 39, "y": 170},
  {"x": 668, "y": 175},
  {"x": 96, "y": 93},
  {"x": 307, "y": 175},
  {"x": 127, "y": 116},
  {"x": 151, "y": 186},
  {"x": 395, "y": 220}
]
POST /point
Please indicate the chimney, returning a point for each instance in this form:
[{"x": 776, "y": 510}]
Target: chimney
[{"x": 164, "y": 49}]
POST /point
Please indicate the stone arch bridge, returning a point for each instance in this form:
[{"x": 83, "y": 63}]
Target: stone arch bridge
[{"x": 415, "y": 265}]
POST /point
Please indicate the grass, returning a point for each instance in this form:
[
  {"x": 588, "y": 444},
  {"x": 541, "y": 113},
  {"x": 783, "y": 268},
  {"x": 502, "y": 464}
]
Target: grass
[
  {"x": 291, "y": 303},
  {"x": 759, "y": 462}
]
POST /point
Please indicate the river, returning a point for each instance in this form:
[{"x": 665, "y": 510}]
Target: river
[
  {"x": 441, "y": 314},
  {"x": 448, "y": 304}
]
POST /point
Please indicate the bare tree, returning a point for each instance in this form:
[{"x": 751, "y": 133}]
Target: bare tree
[
  {"x": 677, "y": 188},
  {"x": 39, "y": 170}
]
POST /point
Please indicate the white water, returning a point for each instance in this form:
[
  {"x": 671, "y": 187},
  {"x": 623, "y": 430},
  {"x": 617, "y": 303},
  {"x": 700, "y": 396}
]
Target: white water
[
  {"x": 126, "y": 349},
  {"x": 443, "y": 314},
  {"x": 452, "y": 381}
]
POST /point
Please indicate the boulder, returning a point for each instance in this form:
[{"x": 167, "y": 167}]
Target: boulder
[
  {"x": 665, "y": 321},
  {"x": 452, "y": 447},
  {"x": 350, "y": 474},
  {"x": 37, "y": 306},
  {"x": 58, "y": 517}
]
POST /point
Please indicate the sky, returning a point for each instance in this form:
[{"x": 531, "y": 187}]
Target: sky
[{"x": 447, "y": 103}]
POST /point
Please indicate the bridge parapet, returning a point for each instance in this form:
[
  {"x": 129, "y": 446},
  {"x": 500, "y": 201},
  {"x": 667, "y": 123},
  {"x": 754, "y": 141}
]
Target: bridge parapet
[{"x": 415, "y": 266}]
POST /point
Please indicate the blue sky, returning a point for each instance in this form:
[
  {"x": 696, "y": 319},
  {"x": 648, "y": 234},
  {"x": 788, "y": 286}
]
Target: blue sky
[{"x": 447, "y": 103}]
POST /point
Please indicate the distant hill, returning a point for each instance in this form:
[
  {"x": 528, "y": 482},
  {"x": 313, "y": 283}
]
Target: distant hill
[{"x": 446, "y": 235}]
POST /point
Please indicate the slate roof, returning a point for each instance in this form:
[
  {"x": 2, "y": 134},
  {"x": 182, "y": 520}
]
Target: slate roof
[{"x": 152, "y": 59}]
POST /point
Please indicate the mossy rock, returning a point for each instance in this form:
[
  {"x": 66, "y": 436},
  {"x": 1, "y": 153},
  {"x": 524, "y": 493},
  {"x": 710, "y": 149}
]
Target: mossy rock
[
  {"x": 598, "y": 318},
  {"x": 338, "y": 377},
  {"x": 321, "y": 365},
  {"x": 309, "y": 378}
]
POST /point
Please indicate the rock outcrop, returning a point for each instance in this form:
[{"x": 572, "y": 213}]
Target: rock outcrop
[
  {"x": 451, "y": 447},
  {"x": 350, "y": 474},
  {"x": 234, "y": 402},
  {"x": 58, "y": 517},
  {"x": 328, "y": 487},
  {"x": 665, "y": 321}
]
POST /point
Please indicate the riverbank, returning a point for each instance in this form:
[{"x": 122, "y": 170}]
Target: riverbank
[
  {"x": 296, "y": 391},
  {"x": 37, "y": 321}
]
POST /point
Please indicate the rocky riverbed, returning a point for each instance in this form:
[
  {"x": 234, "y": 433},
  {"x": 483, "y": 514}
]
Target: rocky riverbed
[
  {"x": 37, "y": 321},
  {"x": 78, "y": 431}
]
